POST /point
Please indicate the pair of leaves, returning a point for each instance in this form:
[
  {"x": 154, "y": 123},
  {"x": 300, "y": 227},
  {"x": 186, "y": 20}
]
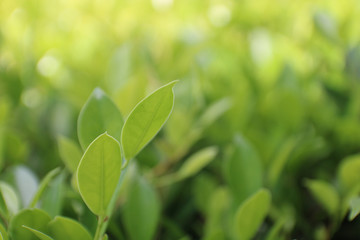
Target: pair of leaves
[
  {"x": 34, "y": 224},
  {"x": 100, "y": 167}
]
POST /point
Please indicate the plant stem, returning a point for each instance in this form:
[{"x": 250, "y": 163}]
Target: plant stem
[{"x": 99, "y": 228}]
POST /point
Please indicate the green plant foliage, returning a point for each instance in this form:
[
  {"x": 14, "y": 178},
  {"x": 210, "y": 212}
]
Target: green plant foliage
[
  {"x": 70, "y": 153},
  {"x": 33, "y": 218},
  {"x": 243, "y": 169},
  {"x": 348, "y": 173},
  {"x": 46, "y": 180},
  {"x": 251, "y": 214},
  {"x": 40, "y": 235},
  {"x": 9, "y": 200},
  {"x": 61, "y": 228},
  {"x": 325, "y": 194},
  {"x": 146, "y": 119},
  {"x": 98, "y": 173},
  {"x": 98, "y": 115},
  {"x": 142, "y": 210},
  {"x": 354, "y": 208}
]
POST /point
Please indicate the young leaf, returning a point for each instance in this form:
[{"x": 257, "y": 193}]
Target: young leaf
[
  {"x": 37, "y": 233},
  {"x": 325, "y": 194},
  {"x": 10, "y": 199},
  {"x": 52, "y": 197},
  {"x": 98, "y": 173},
  {"x": 33, "y": 218},
  {"x": 70, "y": 153},
  {"x": 62, "y": 228},
  {"x": 27, "y": 183},
  {"x": 348, "y": 173},
  {"x": 43, "y": 185},
  {"x": 251, "y": 214},
  {"x": 146, "y": 119},
  {"x": 354, "y": 208},
  {"x": 142, "y": 210},
  {"x": 243, "y": 170},
  {"x": 196, "y": 162},
  {"x": 3, "y": 233},
  {"x": 99, "y": 114}
]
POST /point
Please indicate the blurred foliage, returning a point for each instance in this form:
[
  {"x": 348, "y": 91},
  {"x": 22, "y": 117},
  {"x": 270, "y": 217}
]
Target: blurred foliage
[{"x": 273, "y": 85}]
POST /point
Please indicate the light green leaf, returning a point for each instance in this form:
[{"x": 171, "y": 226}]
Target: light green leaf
[
  {"x": 196, "y": 162},
  {"x": 62, "y": 228},
  {"x": 98, "y": 115},
  {"x": 348, "y": 174},
  {"x": 69, "y": 152},
  {"x": 146, "y": 119},
  {"x": 53, "y": 196},
  {"x": 33, "y": 218},
  {"x": 37, "y": 233},
  {"x": 142, "y": 210},
  {"x": 3, "y": 233},
  {"x": 354, "y": 208},
  {"x": 43, "y": 185},
  {"x": 99, "y": 172},
  {"x": 325, "y": 194},
  {"x": 10, "y": 199},
  {"x": 243, "y": 170},
  {"x": 251, "y": 214},
  {"x": 27, "y": 183}
]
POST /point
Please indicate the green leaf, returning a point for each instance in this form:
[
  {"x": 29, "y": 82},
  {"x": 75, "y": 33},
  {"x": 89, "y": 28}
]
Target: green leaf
[
  {"x": 98, "y": 173},
  {"x": 33, "y": 218},
  {"x": 251, "y": 214},
  {"x": 98, "y": 115},
  {"x": 354, "y": 208},
  {"x": 196, "y": 162},
  {"x": 53, "y": 196},
  {"x": 325, "y": 194},
  {"x": 146, "y": 119},
  {"x": 43, "y": 185},
  {"x": 10, "y": 199},
  {"x": 3, "y": 233},
  {"x": 142, "y": 210},
  {"x": 27, "y": 184},
  {"x": 348, "y": 174},
  {"x": 243, "y": 170},
  {"x": 69, "y": 152},
  {"x": 37, "y": 233},
  {"x": 62, "y": 228}
]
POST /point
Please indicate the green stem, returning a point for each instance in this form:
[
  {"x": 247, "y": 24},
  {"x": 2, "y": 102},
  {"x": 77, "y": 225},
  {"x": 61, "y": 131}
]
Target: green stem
[{"x": 98, "y": 233}]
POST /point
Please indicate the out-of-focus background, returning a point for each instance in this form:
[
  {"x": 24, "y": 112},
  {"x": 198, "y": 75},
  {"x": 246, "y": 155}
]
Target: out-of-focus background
[{"x": 275, "y": 81}]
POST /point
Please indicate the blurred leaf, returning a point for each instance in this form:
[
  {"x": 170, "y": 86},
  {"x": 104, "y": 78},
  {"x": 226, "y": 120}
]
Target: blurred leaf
[
  {"x": 325, "y": 194},
  {"x": 354, "y": 208},
  {"x": 142, "y": 210},
  {"x": 37, "y": 233},
  {"x": 44, "y": 183},
  {"x": 53, "y": 196},
  {"x": 203, "y": 187},
  {"x": 33, "y": 218},
  {"x": 3, "y": 233},
  {"x": 98, "y": 115},
  {"x": 213, "y": 112},
  {"x": 27, "y": 184},
  {"x": 326, "y": 24},
  {"x": 146, "y": 119},
  {"x": 251, "y": 214},
  {"x": 216, "y": 216},
  {"x": 70, "y": 153},
  {"x": 348, "y": 173},
  {"x": 98, "y": 173},
  {"x": 62, "y": 228},
  {"x": 9, "y": 198},
  {"x": 243, "y": 170},
  {"x": 279, "y": 161},
  {"x": 196, "y": 162}
]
